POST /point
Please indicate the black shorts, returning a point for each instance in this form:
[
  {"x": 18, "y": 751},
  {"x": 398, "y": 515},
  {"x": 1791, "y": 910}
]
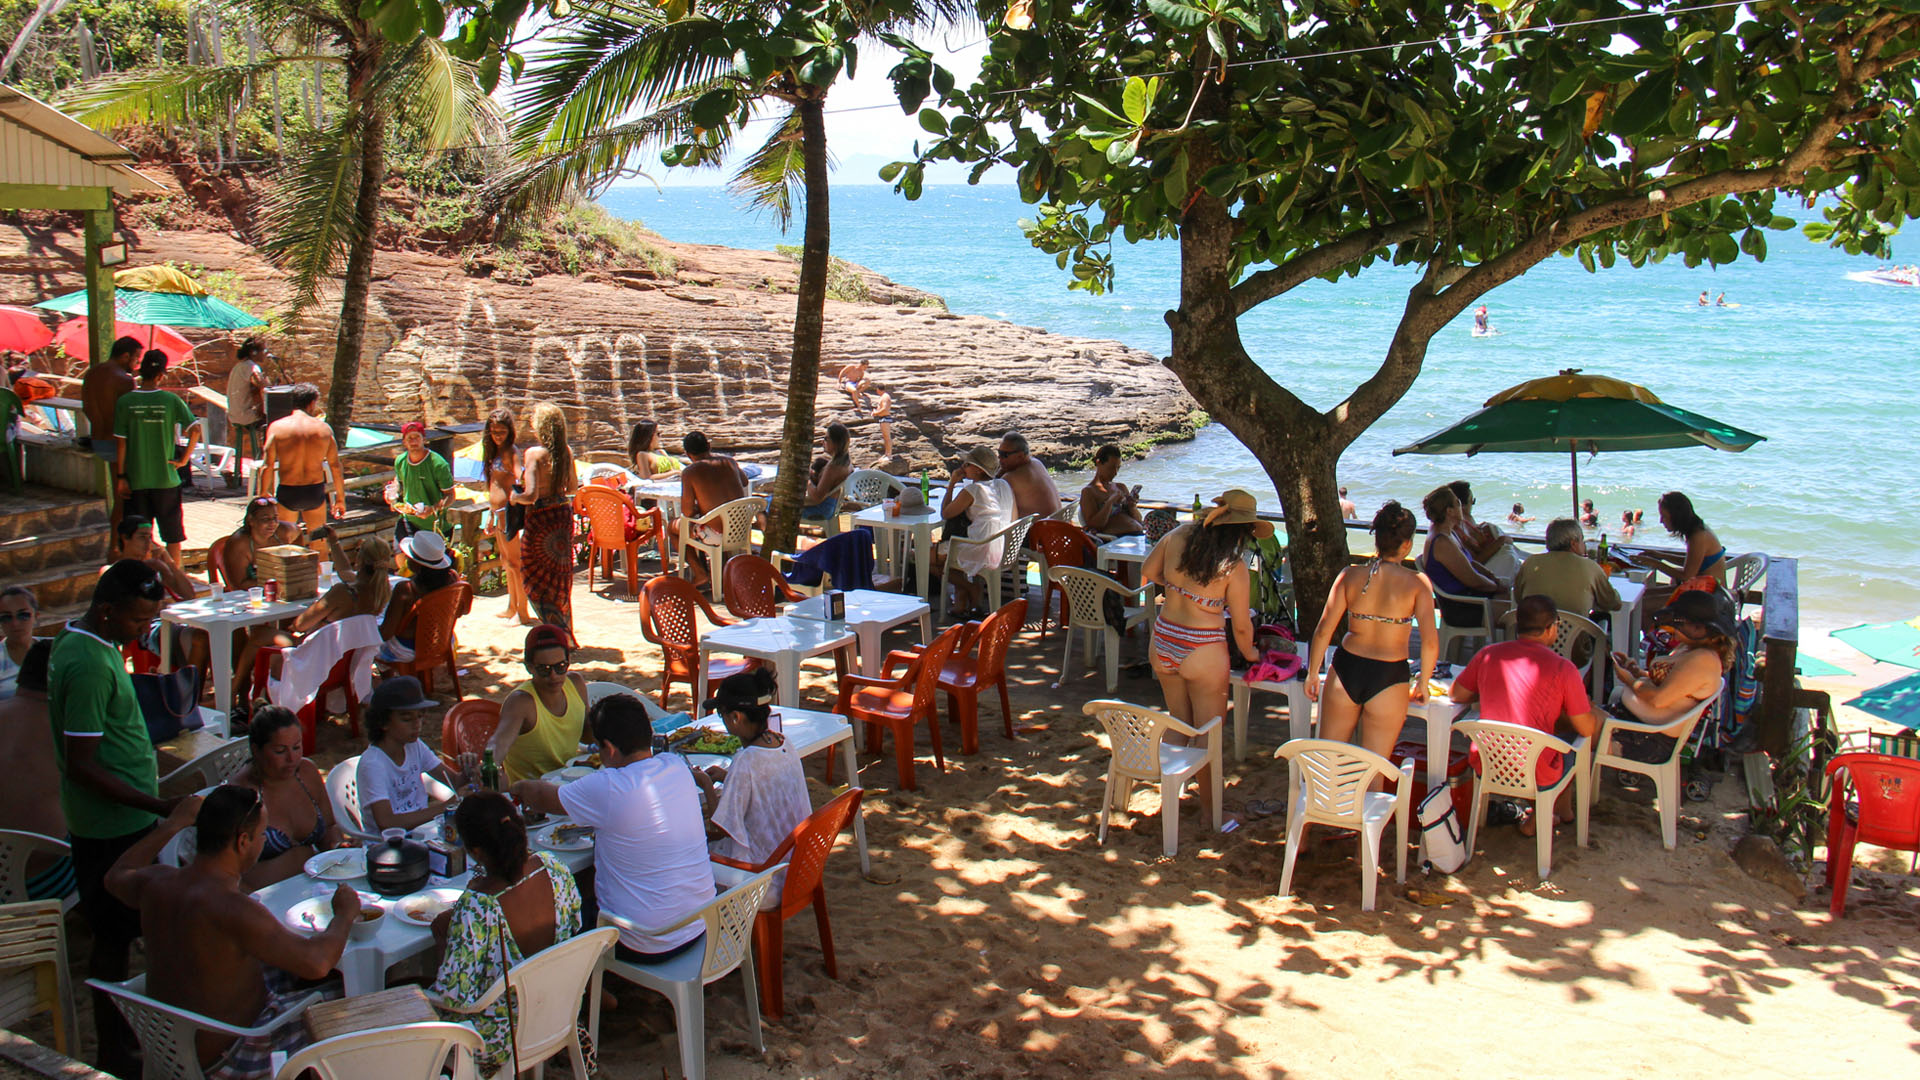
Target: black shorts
[
  {"x": 300, "y": 498},
  {"x": 115, "y": 925},
  {"x": 163, "y": 506}
]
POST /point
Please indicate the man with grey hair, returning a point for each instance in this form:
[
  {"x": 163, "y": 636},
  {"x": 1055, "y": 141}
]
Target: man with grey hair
[
  {"x": 1033, "y": 489},
  {"x": 1564, "y": 574}
]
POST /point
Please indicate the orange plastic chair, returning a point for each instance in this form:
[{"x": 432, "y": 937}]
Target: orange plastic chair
[
  {"x": 1885, "y": 812},
  {"x": 902, "y": 704},
  {"x": 669, "y": 609},
  {"x": 752, "y": 589},
  {"x": 978, "y": 663},
  {"x": 1060, "y": 543},
  {"x": 217, "y": 562},
  {"x": 467, "y": 728},
  {"x": 607, "y": 512},
  {"x": 805, "y": 852},
  {"x": 433, "y": 641}
]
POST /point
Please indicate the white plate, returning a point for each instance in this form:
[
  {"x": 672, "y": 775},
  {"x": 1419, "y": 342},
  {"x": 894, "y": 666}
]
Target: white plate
[
  {"x": 340, "y": 864},
  {"x": 568, "y": 775},
  {"x": 702, "y": 761},
  {"x": 314, "y": 914},
  {"x": 423, "y": 907},
  {"x": 544, "y": 837}
]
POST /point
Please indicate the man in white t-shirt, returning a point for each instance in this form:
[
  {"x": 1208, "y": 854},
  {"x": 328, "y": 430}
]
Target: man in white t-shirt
[
  {"x": 246, "y": 403},
  {"x": 650, "y": 843}
]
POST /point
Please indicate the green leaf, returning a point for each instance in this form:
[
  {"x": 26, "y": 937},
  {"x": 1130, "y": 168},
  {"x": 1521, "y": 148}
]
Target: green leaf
[
  {"x": 397, "y": 20},
  {"x": 932, "y": 121},
  {"x": 1722, "y": 248},
  {"x": 1648, "y": 103},
  {"x": 711, "y": 109},
  {"x": 1181, "y": 16},
  {"x": 1135, "y": 101},
  {"x": 1217, "y": 38},
  {"x": 891, "y": 169},
  {"x": 910, "y": 181},
  {"x": 1101, "y": 107},
  {"x": 1567, "y": 88},
  {"x": 1754, "y": 243},
  {"x": 1779, "y": 221},
  {"x": 786, "y": 46}
]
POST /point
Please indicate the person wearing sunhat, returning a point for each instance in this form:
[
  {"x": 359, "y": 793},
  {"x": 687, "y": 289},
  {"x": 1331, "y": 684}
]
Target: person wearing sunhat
[
  {"x": 977, "y": 504},
  {"x": 1701, "y": 623},
  {"x": 1202, "y": 566},
  {"x": 423, "y": 484},
  {"x": 430, "y": 569},
  {"x": 390, "y": 779}
]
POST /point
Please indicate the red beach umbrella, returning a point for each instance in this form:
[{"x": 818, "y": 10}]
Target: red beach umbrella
[
  {"x": 72, "y": 336},
  {"x": 21, "y": 330}
]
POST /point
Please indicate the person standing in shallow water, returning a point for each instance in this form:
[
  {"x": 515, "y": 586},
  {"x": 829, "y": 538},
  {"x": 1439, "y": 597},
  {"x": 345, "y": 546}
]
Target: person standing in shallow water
[{"x": 548, "y": 482}]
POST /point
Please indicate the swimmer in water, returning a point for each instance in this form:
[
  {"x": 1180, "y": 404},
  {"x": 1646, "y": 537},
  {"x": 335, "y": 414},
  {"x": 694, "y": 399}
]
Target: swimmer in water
[
  {"x": 1720, "y": 301},
  {"x": 1480, "y": 319},
  {"x": 1703, "y": 298}
]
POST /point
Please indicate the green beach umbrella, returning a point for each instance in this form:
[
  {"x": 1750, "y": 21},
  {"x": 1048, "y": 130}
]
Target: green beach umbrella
[
  {"x": 1890, "y": 642},
  {"x": 160, "y": 296},
  {"x": 1571, "y": 412},
  {"x": 1897, "y": 701}
]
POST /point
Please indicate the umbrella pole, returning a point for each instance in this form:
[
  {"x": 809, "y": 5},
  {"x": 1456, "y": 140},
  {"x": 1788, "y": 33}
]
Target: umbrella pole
[{"x": 1573, "y": 458}]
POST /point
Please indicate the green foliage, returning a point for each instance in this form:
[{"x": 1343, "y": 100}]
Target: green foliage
[
  {"x": 580, "y": 237},
  {"x": 123, "y": 33},
  {"x": 843, "y": 278}
]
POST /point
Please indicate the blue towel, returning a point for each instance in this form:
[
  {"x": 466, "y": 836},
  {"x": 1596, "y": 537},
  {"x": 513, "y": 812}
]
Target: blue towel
[{"x": 847, "y": 558}]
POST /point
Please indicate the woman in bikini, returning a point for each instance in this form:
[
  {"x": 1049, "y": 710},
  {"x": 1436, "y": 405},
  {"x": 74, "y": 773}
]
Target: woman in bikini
[
  {"x": 1204, "y": 572},
  {"x": 1381, "y": 601},
  {"x": 1450, "y": 567},
  {"x": 1706, "y": 555},
  {"x": 500, "y": 461},
  {"x": 299, "y": 819},
  {"x": 649, "y": 461}
]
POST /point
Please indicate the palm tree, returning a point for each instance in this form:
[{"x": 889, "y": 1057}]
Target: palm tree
[
  {"x": 326, "y": 204},
  {"x": 618, "y": 80}
]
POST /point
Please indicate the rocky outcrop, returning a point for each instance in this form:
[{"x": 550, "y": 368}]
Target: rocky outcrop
[{"x": 705, "y": 348}]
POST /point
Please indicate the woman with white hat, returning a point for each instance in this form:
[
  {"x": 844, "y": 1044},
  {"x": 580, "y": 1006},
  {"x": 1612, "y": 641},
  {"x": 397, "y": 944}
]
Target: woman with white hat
[
  {"x": 981, "y": 504},
  {"x": 432, "y": 570}
]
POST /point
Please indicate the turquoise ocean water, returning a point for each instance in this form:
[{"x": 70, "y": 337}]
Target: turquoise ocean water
[{"x": 1819, "y": 363}]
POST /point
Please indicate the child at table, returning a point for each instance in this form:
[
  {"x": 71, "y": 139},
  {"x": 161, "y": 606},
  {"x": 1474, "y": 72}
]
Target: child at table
[{"x": 766, "y": 792}]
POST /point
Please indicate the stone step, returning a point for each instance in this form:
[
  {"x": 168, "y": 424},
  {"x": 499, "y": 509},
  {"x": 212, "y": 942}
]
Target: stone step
[
  {"x": 41, "y": 510},
  {"x": 53, "y": 620},
  {"x": 60, "y": 586},
  {"x": 23, "y": 553}
]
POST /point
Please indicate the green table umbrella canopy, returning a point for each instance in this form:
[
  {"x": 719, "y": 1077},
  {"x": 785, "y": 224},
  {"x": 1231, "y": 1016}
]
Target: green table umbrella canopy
[{"x": 160, "y": 296}]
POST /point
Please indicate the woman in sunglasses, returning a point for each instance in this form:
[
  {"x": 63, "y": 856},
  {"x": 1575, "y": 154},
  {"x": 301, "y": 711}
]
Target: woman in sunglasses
[
  {"x": 19, "y": 612},
  {"x": 543, "y": 723}
]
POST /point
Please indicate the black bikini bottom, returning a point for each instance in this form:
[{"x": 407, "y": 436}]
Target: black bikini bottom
[{"x": 1363, "y": 677}]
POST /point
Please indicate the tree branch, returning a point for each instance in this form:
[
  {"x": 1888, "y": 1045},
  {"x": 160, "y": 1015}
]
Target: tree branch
[{"x": 1258, "y": 288}]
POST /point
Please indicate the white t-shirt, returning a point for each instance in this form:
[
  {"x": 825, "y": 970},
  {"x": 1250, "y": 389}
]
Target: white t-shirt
[
  {"x": 400, "y": 786},
  {"x": 650, "y": 846},
  {"x": 991, "y": 511},
  {"x": 765, "y": 797}
]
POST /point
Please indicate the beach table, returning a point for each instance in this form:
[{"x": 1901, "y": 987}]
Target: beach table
[
  {"x": 782, "y": 640},
  {"x": 1440, "y": 712},
  {"x": 1299, "y": 709},
  {"x": 1625, "y": 623},
  {"x": 1125, "y": 549},
  {"x": 871, "y": 613},
  {"x": 919, "y": 524},
  {"x": 219, "y": 619}
]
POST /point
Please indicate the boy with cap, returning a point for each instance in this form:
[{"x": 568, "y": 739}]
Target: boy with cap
[
  {"x": 148, "y": 423},
  {"x": 389, "y": 781},
  {"x": 423, "y": 484},
  {"x": 543, "y": 722}
]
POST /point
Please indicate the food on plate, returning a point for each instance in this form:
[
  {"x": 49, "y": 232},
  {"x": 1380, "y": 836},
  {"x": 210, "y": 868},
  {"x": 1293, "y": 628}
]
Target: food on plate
[
  {"x": 712, "y": 742},
  {"x": 424, "y": 909},
  {"x": 568, "y": 834}
]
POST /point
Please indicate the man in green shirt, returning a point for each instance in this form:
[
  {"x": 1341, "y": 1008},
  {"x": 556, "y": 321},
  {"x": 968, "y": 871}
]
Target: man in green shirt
[
  {"x": 425, "y": 484},
  {"x": 109, "y": 784},
  {"x": 148, "y": 423}
]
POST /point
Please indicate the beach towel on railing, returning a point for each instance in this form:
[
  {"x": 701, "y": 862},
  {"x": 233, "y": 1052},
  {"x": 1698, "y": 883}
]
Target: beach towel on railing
[{"x": 847, "y": 558}]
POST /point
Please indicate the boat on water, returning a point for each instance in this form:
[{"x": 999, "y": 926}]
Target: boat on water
[{"x": 1908, "y": 276}]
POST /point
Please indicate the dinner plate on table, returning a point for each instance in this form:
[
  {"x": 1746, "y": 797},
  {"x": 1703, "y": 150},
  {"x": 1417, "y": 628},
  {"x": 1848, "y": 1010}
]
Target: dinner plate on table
[
  {"x": 314, "y": 914},
  {"x": 339, "y": 864},
  {"x": 565, "y": 836},
  {"x": 568, "y": 775},
  {"x": 423, "y": 907},
  {"x": 703, "y": 761}
]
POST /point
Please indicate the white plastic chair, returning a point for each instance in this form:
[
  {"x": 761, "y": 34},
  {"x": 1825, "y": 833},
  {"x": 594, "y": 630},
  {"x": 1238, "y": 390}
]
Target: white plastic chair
[
  {"x": 1084, "y": 590},
  {"x": 1574, "y": 628},
  {"x": 1743, "y": 574},
  {"x": 166, "y": 1032},
  {"x": 1013, "y": 537},
  {"x": 735, "y": 522},
  {"x": 16, "y": 848},
  {"x": 1327, "y": 785},
  {"x": 1069, "y": 511},
  {"x": 1141, "y": 754},
  {"x": 870, "y": 487},
  {"x": 546, "y": 999},
  {"x": 404, "y": 1052},
  {"x": 33, "y": 970},
  {"x": 729, "y": 921},
  {"x": 598, "y": 690},
  {"x": 1665, "y": 774},
  {"x": 1509, "y": 757},
  {"x": 343, "y": 792},
  {"x": 1450, "y": 634},
  {"x": 214, "y": 767}
]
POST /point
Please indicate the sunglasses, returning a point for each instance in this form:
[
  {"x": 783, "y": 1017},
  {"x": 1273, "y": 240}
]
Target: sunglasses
[
  {"x": 1007, "y": 453},
  {"x": 556, "y": 668},
  {"x": 23, "y": 615}
]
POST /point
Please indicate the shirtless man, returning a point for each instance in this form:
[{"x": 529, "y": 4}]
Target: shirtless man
[
  {"x": 100, "y": 391},
  {"x": 1106, "y": 507},
  {"x": 708, "y": 482},
  {"x": 1033, "y": 490},
  {"x": 298, "y": 444},
  {"x": 213, "y": 948},
  {"x": 883, "y": 412},
  {"x": 1347, "y": 509},
  {"x": 853, "y": 379}
]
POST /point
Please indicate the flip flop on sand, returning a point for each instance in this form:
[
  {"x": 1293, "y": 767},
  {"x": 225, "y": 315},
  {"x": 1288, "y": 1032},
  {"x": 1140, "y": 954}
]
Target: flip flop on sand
[{"x": 1261, "y": 808}]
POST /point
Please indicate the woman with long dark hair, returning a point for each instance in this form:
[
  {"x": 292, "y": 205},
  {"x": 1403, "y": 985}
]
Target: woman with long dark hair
[
  {"x": 1450, "y": 567},
  {"x": 1381, "y": 601},
  {"x": 500, "y": 464},
  {"x": 766, "y": 791},
  {"x": 649, "y": 461},
  {"x": 548, "y": 481},
  {"x": 1705, "y": 556}
]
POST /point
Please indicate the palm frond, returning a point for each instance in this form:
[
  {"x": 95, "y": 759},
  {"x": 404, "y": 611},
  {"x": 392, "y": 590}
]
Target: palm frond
[
  {"x": 173, "y": 94},
  {"x": 543, "y": 177},
  {"x": 436, "y": 95},
  {"x": 771, "y": 176},
  {"x": 608, "y": 65},
  {"x": 310, "y": 222}
]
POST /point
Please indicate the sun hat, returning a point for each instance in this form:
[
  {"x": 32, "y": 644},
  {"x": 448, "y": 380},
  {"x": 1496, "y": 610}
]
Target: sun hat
[
  {"x": 983, "y": 459},
  {"x": 399, "y": 693},
  {"x": 429, "y": 549},
  {"x": 1236, "y": 507},
  {"x": 1713, "y": 610},
  {"x": 547, "y": 636}
]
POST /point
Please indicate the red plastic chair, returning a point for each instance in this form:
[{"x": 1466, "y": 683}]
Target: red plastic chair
[
  {"x": 467, "y": 728},
  {"x": 216, "y": 562},
  {"x": 433, "y": 641},
  {"x": 805, "y": 852},
  {"x": 1885, "y": 812},
  {"x": 978, "y": 663},
  {"x": 340, "y": 678},
  {"x": 1060, "y": 543},
  {"x": 752, "y": 589},
  {"x": 669, "y": 617},
  {"x": 902, "y": 704}
]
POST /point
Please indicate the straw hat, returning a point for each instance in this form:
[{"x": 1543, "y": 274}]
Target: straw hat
[
  {"x": 984, "y": 459},
  {"x": 1237, "y": 507}
]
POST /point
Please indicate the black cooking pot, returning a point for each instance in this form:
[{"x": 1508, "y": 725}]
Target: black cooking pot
[{"x": 397, "y": 866}]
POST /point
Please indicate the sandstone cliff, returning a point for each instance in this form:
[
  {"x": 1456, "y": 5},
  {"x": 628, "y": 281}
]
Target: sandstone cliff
[{"x": 703, "y": 347}]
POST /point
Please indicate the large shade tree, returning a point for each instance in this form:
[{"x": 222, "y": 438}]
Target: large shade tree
[
  {"x": 1281, "y": 143},
  {"x": 621, "y": 78}
]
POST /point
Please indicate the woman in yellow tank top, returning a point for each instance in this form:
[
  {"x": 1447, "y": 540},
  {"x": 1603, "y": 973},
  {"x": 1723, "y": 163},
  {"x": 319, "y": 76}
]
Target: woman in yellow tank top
[{"x": 543, "y": 720}]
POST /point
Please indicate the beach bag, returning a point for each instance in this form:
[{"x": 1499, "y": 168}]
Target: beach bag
[
  {"x": 167, "y": 702},
  {"x": 1443, "y": 836}
]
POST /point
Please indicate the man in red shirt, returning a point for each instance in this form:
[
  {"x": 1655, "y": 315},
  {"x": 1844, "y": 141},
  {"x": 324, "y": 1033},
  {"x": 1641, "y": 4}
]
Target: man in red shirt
[{"x": 1524, "y": 681}]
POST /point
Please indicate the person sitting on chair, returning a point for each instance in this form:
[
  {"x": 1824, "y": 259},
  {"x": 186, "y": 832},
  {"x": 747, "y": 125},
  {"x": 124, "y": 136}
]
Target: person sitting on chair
[{"x": 543, "y": 721}]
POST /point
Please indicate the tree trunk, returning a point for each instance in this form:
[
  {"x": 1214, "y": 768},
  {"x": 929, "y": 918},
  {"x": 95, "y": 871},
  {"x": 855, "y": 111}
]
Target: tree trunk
[
  {"x": 809, "y": 314},
  {"x": 359, "y": 280}
]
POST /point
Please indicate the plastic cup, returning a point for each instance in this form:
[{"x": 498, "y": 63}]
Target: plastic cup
[
  {"x": 214, "y": 591},
  {"x": 257, "y": 596}
]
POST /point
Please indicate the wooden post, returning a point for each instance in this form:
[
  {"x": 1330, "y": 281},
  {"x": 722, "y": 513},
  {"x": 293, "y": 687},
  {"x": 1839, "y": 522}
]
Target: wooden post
[
  {"x": 1780, "y": 639},
  {"x": 100, "y": 316}
]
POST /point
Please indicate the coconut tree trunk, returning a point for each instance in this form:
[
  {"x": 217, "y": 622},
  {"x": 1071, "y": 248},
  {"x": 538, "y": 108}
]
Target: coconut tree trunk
[
  {"x": 809, "y": 315},
  {"x": 359, "y": 278}
]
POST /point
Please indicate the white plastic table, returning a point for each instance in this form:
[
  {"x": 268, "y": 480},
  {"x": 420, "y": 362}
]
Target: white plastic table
[
  {"x": 1626, "y": 621},
  {"x": 1299, "y": 710},
  {"x": 1439, "y": 712},
  {"x": 219, "y": 619},
  {"x": 871, "y": 613},
  {"x": 1125, "y": 549},
  {"x": 785, "y": 641},
  {"x": 917, "y": 523}
]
